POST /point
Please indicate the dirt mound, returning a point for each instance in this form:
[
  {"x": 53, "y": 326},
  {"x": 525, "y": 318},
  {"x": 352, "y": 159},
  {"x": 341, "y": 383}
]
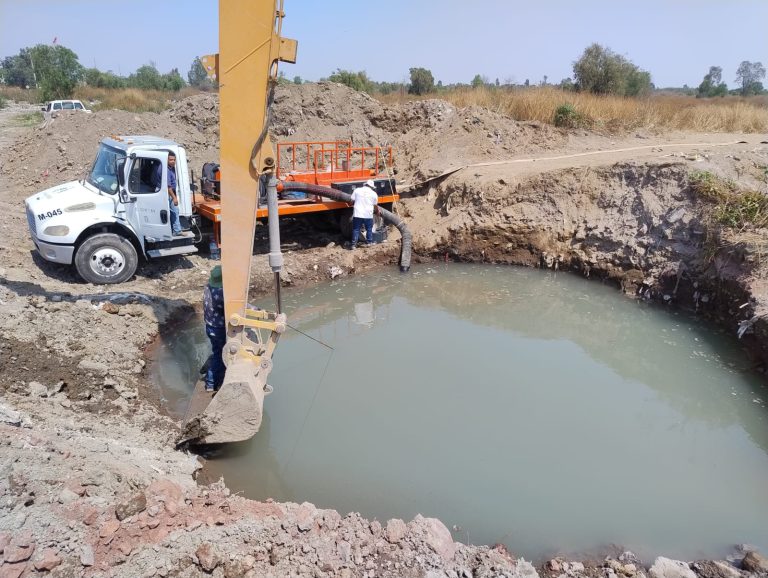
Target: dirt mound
[
  {"x": 63, "y": 149},
  {"x": 429, "y": 136},
  {"x": 200, "y": 111},
  {"x": 442, "y": 137},
  {"x": 326, "y": 110}
]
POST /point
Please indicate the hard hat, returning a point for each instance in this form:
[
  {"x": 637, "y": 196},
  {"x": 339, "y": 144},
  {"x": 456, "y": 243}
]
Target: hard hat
[
  {"x": 215, "y": 279},
  {"x": 369, "y": 183}
]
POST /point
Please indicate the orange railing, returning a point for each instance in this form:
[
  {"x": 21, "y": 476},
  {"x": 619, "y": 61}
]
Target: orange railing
[{"x": 324, "y": 162}]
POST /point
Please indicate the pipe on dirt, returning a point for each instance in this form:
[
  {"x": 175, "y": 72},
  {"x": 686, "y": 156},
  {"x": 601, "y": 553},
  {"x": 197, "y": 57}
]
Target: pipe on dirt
[{"x": 388, "y": 216}]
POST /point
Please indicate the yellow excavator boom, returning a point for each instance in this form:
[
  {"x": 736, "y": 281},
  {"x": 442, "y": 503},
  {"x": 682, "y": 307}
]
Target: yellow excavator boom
[{"x": 250, "y": 47}]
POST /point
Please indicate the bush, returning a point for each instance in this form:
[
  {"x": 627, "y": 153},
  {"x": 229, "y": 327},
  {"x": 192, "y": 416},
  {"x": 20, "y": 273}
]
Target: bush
[
  {"x": 355, "y": 80},
  {"x": 709, "y": 186},
  {"x": 3, "y": 102},
  {"x": 743, "y": 209},
  {"x": 567, "y": 116},
  {"x": 734, "y": 208}
]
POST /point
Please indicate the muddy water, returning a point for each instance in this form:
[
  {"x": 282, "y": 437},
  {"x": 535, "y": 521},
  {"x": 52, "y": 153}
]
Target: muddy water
[{"x": 518, "y": 406}]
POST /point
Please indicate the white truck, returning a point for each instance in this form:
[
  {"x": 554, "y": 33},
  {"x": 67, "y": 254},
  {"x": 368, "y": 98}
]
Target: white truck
[{"x": 120, "y": 210}]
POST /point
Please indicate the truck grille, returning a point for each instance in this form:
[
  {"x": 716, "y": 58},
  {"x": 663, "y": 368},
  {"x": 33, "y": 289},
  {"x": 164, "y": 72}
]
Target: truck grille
[{"x": 31, "y": 222}]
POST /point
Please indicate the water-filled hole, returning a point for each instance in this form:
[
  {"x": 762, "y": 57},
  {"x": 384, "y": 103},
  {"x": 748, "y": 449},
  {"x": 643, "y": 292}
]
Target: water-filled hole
[{"x": 518, "y": 406}]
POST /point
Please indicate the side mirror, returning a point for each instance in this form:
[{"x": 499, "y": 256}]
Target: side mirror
[
  {"x": 122, "y": 194},
  {"x": 120, "y": 170}
]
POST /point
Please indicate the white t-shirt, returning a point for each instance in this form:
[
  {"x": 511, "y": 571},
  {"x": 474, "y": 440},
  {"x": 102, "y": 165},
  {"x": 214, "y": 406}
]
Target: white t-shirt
[{"x": 365, "y": 199}]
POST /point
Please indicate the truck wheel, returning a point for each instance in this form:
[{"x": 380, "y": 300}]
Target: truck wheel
[{"x": 105, "y": 259}]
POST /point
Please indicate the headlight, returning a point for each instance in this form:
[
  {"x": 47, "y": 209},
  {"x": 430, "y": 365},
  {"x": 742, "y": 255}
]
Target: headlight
[
  {"x": 80, "y": 207},
  {"x": 56, "y": 230}
]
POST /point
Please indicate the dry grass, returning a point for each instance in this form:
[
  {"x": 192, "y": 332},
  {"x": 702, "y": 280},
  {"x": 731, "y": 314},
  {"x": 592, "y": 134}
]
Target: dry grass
[
  {"x": 19, "y": 94},
  {"x": 615, "y": 114},
  {"x": 131, "y": 99}
]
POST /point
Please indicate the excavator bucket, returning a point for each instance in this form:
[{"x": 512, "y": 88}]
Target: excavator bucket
[{"x": 234, "y": 414}]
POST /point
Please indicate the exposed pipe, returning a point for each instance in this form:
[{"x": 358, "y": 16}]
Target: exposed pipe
[
  {"x": 336, "y": 195},
  {"x": 275, "y": 255}
]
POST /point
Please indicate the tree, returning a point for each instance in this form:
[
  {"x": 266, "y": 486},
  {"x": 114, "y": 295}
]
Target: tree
[
  {"x": 173, "y": 80},
  {"x": 388, "y": 87},
  {"x": 198, "y": 77},
  {"x": 17, "y": 70},
  {"x": 422, "y": 81},
  {"x": 297, "y": 80},
  {"x": 637, "y": 82},
  {"x": 355, "y": 80},
  {"x": 715, "y": 75},
  {"x": 567, "y": 84},
  {"x": 712, "y": 84},
  {"x": 146, "y": 78},
  {"x": 57, "y": 70},
  {"x": 477, "y": 81},
  {"x": 96, "y": 78},
  {"x": 601, "y": 71},
  {"x": 749, "y": 75}
]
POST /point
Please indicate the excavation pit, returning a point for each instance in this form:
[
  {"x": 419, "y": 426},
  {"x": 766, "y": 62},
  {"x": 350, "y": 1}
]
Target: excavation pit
[{"x": 519, "y": 406}]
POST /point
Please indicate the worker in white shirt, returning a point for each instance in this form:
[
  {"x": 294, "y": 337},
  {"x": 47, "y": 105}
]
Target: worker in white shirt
[{"x": 365, "y": 199}]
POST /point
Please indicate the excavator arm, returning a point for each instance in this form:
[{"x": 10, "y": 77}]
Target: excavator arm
[{"x": 250, "y": 47}]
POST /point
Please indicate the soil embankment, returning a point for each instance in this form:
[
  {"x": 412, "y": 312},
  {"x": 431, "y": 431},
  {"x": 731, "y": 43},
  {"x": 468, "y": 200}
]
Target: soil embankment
[{"x": 89, "y": 484}]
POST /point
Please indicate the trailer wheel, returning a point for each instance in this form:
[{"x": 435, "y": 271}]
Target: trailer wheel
[{"x": 106, "y": 259}]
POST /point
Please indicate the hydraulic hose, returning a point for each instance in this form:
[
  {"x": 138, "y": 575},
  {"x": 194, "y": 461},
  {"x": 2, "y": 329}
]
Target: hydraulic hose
[{"x": 336, "y": 195}]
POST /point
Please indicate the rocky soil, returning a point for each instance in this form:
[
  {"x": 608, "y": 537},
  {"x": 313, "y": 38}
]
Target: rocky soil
[{"x": 89, "y": 482}]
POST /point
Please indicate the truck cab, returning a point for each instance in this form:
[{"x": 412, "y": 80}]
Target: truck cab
[{"x": 120, "y": 210}]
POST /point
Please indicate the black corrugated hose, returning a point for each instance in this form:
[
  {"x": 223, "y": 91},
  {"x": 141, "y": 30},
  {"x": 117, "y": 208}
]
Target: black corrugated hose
[{"x": 388, "y": 216}]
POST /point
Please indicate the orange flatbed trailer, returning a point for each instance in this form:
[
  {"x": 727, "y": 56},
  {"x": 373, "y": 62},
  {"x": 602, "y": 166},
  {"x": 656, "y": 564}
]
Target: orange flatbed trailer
[{"x": 322, "y": 163}]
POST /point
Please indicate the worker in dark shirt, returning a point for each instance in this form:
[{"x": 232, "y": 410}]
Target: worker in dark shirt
[
  {"x": 173, "y": 199},
  {"x": 215, "y": 328}
]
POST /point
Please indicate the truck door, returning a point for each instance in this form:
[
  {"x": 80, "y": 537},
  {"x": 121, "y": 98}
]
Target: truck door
[{"x": 147, "y": 183}]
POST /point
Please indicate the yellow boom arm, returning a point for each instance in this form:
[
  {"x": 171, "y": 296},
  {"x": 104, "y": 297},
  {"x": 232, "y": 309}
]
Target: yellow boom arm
[{"x": 250, "y": 47}]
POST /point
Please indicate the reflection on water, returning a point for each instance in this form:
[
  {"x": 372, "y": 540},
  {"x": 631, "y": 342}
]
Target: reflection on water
[{"x": 521, "y": 406}]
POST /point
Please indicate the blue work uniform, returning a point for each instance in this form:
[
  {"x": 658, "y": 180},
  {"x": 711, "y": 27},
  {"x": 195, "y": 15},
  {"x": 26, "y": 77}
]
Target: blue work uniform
[
  {"x": 216, "y": 330},
  {"x": 157, "y": 180}
]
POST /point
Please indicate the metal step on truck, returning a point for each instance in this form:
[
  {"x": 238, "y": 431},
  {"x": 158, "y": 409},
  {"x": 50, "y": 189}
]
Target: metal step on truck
[{"x": 120, "y": 210}]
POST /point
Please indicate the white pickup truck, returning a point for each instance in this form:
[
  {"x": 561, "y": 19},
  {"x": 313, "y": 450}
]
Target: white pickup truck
[{"x": 119, "y": 211}]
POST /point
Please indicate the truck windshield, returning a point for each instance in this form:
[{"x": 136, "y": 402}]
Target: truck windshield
[{"x": 103, "y": 175}]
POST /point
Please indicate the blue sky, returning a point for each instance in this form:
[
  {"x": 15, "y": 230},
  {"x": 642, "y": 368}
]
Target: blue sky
[{"x": 676, "y": 40}]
